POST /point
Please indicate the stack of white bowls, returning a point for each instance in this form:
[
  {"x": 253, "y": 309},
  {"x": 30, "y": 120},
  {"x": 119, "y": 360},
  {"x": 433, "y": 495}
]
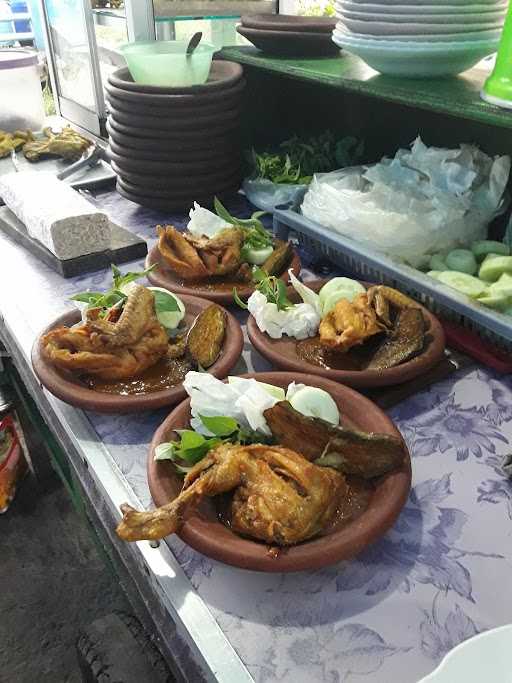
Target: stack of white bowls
[{"x": 420, "y": 38}]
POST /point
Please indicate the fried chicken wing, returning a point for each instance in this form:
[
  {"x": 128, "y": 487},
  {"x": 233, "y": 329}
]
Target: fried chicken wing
[
  {"x": 196, "y": 258},
  {"x": 349, "y": 324},
  {"x": 107, "y": 348},
  {"x": 279, "y": 497}
]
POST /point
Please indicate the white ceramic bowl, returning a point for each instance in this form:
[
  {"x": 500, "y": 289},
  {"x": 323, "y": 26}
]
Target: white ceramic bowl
[
  {"x": 390, "y": 28},
  {"x": 470, "y": 19},
  {"x": 417, "y": 60},
  {"x": 486, "y": 657},
  {"x": 420, "y": 10},
  {"x": 468, "y": 37}
]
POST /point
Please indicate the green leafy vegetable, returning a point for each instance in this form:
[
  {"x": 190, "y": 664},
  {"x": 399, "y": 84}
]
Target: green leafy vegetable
[
  {"x": 238, "y": 301},
  {"x": 219, "y": 425},
  {"x": 114, "y": 296},
  {"x": 255, "y": 234},
  {"x": 297, "y": 160},
  {"x": 192, "y": 446},
  {"x": 273, "y": 288}
]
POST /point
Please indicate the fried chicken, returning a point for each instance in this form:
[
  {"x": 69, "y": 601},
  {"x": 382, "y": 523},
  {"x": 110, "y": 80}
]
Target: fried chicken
[
  {"x": 279, "y": 497},
  {"x": 119, "y": 346},
  {"x": 349, "y": 324},
  {"x": 197, "y": 258}
]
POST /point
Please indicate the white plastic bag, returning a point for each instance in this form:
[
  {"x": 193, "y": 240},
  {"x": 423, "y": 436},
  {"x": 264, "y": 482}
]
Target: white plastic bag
[
  {"x": 266, "y": 195},
  {"x": 425, "y": 200}
]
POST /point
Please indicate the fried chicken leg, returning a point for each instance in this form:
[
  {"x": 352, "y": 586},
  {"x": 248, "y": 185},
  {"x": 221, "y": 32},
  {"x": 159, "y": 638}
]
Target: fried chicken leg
[{"x": 279, "y": 497}]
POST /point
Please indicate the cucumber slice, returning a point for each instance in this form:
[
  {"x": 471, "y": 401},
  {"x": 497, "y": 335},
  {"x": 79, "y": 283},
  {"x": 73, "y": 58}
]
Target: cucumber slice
[
  {"x": 493, "y": 267},
  {"x": 437, "y": 262},
  {"x": 435, "y": 273},
  {"x": 497, "y": 301},
  {"x": 502, "y": 286},
  {"x": 258, "y": 256},
  {"x": 170, "y": 310},
  {"x": 315, "y": 402},
  {"x": 350, "y": 288},
  {"x": 462, "y": 282},
  {"x": 462, "y": 260},
  {"x": 484, "y": 247}
]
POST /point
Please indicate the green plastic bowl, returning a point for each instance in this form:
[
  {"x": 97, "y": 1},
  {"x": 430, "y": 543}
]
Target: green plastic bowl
[{"x": 165, "y": 63}]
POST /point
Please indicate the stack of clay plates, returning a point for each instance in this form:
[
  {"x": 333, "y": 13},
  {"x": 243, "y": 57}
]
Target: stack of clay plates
[
  {"x": 172, "y": 146},
  {"x": 289, "y": 35},
  {"x": 420, "y": 37}
]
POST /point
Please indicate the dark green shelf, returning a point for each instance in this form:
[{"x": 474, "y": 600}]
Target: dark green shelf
[{"x": 456, "y": 96}]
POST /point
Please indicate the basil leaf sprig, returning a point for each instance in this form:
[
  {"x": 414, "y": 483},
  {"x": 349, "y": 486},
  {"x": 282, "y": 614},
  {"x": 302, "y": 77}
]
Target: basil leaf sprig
[
  {"x": 191, "y": 447},
  {"x": 255, "y": 234},
  {"x": 114, "y": 296},
  {"x": 273, "y": 289}
]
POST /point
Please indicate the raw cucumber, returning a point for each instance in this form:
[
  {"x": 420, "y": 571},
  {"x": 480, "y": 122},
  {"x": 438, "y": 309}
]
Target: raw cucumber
[
  {"x": 315, "y": 402},
  {"x": 331, "y": 301},
  {"x": 437, "y": 262},
  {"x": 462, "y": 282},
  {"x": 493, "y": 267},
  {"x": 503, "y": 286},
  {"x": 435, "y": 273},
  {"x": 461, "y": 260},
  {"x": 350, "y": 288},
  {"x": 484, "y": 247},
  {"x": 170, "y": 309},
  {"x": 258, "y": 256},
  {"x": 497, "y": 301}
]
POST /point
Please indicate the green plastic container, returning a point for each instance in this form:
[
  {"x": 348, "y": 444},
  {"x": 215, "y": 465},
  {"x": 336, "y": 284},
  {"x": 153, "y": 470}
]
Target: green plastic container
[
  {"x": 498, "y": 87},
  {"x": 165, "y": 63}
]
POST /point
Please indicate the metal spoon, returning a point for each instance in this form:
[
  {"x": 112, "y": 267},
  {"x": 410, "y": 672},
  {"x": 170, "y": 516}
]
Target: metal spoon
[{"x": 193, "y": 43}]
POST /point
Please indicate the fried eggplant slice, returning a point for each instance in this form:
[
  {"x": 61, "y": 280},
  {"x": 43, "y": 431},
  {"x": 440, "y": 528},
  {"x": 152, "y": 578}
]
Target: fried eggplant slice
[
  {"x": 279, "y": 497},
  {"x": 279, "y": 259},
  {"x": 405, "y": 341},
  {"x": 352, "y": 452},
  {"x": 206, "y": 336}
]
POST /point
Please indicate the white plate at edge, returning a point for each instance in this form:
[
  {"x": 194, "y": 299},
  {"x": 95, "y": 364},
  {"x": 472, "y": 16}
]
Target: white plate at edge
[{"x": 485, "y": 657}]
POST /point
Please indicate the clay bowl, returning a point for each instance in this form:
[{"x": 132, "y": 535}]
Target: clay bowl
[
  {"x": 290, "y": 43},
  {"x": 66, "y": 386},
  {"x": 181, "y": 136},
  {"x": 177, "y": 101},
  {"x": 289, "y": 22},
  {"x": 187, "y": 146},
  {"x": 205, "y": 156},
  {"x": 223, "y": 75},
  {"x": 204, "y": 532},
  {"x": 177, "y": 203},
  {"x": 282, "y": 354},
  {"x": 202, "y": 186},
  {"x": 128, "y": 108},
  {"x": 221, "y": 293},
  {"x": 145, "y": 171},
  {"x": 168, "y": 122}
]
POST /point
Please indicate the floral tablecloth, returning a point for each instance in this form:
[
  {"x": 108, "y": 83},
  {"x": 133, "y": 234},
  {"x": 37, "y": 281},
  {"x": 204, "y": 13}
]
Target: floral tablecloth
[{"x": 440, "y": 576}]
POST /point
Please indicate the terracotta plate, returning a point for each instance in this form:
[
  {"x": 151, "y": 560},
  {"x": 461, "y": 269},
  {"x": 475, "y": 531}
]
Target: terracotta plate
[
  {"x": 295, "y": 43},
  {"x": 282, "y": 353},
  {"x": 289, "y": 22},
  {"x": 207, "y": 535},
  {"x": 193, "y": 135},
  {"x": 223, "y": 74},
  {"x": 186, "y": 148},
  {"x": 225, "y": 104},
  {"x": 164, "y": 277},
  {"x": 178, "y": 202},
  {"x": 66, "y": 387},
  {"x": 181, "y": 124},
  {"x": 207, "y": 157},
  {"x": 175, "y": 101},
  {"x": 163, "y": 173}
]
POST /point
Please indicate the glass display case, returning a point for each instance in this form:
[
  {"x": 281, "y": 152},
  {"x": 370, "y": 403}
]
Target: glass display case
[{"x": 83, "y": 39}]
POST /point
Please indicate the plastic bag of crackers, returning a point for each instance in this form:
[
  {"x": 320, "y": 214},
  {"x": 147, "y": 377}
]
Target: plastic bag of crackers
[{"x": 13, "y": 464}]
